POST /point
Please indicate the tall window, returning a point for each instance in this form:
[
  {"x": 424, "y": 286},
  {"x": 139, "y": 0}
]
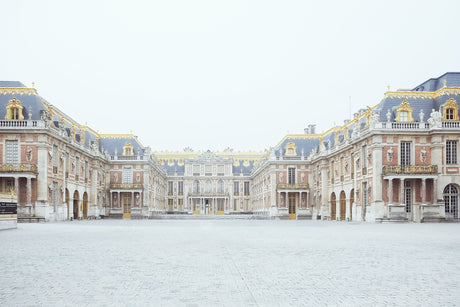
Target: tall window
[
  {"x": 55, "y": 154},
  {"x": 246, "y": 188},
  {"x": 291, "y": 175},
  {"x": 208, "y": 186},
  {"x": 451, "y": 152},
  {"x": 451, "y": 201},
  {"x": 408, "y": 195},
  {"x": 220, "y": 186},
  {"x": 128, "y": 175},
  {"x": 352, "y": 167},
  {"x": 332, "y": 171},
  {"x": 170, "y": 188},
  {"x": 235, "y": 204},
  {"x": 220, "y": 170},
  {"x": 196, "y": 170},
  {"x": 405, "y": 154},
  {"x": 236, "y": 188},
  {"x": 12, "y": 153},
  {"x": 196, "y": 186},
  {"x": 208, "y": 170},
  {"x": 365, "y": 198},
  {"x": 180, "y": 187},
  {"x": 365, "y": 156}
]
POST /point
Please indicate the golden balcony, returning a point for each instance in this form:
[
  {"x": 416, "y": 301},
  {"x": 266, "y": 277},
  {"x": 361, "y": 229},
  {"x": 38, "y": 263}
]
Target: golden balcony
[
  {"x": 297, "y": 186},
  {"x": 18, "y": 168},
  {"x": 410, "y": 170},
  {"x": 126, "y": 186}
]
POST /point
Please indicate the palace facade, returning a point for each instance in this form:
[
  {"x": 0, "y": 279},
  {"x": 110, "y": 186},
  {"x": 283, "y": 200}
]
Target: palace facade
[{"x": 395, "y": 161}]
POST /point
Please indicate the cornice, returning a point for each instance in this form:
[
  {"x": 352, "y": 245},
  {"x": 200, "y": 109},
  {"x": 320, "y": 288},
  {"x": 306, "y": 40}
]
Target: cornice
[
  {"x": 18, "y": 91},
  {"x": 422, "y": 95}
]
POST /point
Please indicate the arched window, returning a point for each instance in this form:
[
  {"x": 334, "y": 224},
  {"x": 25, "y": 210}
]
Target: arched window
[
  {"x": 14, "y": 110},
  {"x": 333, "y": 208},
  {"x": 291, "y": 149},
  {"x": 196, "y": 186},
  {"x": 404, "y": 112},
  {"x": 128, "y": 149},
  {"x": 208, "y": 186},
  {"x": 450, "y": 110},
  {"x": 220, "y": 186},
  {"x": 451, "y": 201}
]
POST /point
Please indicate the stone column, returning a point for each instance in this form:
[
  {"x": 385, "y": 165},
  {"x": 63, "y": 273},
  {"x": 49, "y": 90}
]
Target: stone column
[
  {"x": 401, "y": 191},
  {"x": 16, "y": 187},
  {"x": 435, "y": 191},
  {"x": 390, "y": 190},
  {"x": 423, "y": 190},
  {"x": 29, "y": 190}
]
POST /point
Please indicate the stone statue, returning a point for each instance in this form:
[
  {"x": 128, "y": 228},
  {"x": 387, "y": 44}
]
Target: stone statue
[
  {"x": 435, "y": 119},
  {"x": 115, "y": 177},
  {"x": 29, "y": 153},
  {"x": 388, "y": 115},
  {"x": 390, "y": 155},
  {"x": 423, "y": 155},
  {"x": 373, "y": 119},
  {"x": 421, "y": 115}
]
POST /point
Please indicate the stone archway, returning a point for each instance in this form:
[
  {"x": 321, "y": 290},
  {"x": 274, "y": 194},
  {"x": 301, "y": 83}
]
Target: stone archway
[
  {"x": 333, "y": 207},
  {"x": 76, "y": 200}
]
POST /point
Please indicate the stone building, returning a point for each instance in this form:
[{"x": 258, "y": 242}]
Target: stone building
[{"x": 395, "y": 161}]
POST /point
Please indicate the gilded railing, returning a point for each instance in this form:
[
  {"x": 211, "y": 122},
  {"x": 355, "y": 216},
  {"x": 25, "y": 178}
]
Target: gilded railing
[
  {"x": 208, "y": 195},
  {"x": 283, "y": 186},
  {"x": 125, "y": 186},
  {"x": 410, "y": 169},
  {"x": 18, "y": 168}
]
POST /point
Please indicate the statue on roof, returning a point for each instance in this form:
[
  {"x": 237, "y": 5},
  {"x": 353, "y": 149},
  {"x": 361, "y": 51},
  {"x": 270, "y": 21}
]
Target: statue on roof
[{"x": 435, "y": 119}]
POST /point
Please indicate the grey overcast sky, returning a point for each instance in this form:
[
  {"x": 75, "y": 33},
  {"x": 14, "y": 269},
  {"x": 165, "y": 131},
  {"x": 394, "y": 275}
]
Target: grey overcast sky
[{"x": 216, "y": 74}]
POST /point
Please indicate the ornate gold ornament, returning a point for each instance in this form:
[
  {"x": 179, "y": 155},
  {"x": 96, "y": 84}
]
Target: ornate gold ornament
[
  {"x": 14, "y": 110},
  {"x": 128, "y": 149},
  {"x": 404, "y": 112},
  {"x": 291, "y": 149},
  {"x": 450, "y": 110}
]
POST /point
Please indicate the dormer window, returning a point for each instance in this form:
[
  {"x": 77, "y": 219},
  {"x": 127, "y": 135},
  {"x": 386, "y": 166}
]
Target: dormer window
[
  {"x": 14, "y": 110},
  {"x": 128, "y": 149},
  {"x": 404, "y": 112},
  {"x": 291, "y": 150},
  {"x": 450, "y": 110}
]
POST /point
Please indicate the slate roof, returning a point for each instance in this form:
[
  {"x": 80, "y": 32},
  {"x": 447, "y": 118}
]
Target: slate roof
[{"x": 116, "y": 143}]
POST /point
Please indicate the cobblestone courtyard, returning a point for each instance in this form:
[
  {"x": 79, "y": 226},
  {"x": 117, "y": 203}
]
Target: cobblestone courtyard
[{"x": 229, "y": 263}]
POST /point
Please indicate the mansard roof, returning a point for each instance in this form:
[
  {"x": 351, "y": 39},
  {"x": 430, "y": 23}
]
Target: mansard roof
[
  {"x": 431, "y": 94},
  {"x": 114, "y": 143},
  {"x": 452, "y": 79}
]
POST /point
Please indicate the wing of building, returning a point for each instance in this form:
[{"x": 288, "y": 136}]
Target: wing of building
[{"x": 395, "y": 161}]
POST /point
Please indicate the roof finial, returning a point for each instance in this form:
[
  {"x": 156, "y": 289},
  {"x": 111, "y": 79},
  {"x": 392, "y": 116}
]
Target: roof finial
[
  {"x": 33, "y": 84},
  {"x": 388, "y": 86},
  {"x": 445, "y": 82}
]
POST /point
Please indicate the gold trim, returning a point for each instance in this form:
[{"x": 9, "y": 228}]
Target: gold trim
[
  {"x": 404, "y": 107},
  {"x": 450, "y": 104},
  {"x": 14, "y": 107},
  {"x": 128, "y": 149},
  {"x": 291, "y": 146},
  {"x": 18, "y": 91}
]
